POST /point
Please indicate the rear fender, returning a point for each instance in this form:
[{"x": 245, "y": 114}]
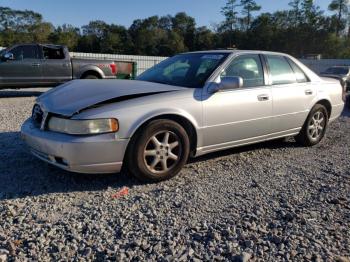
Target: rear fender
[{"x": 92, "y": 68}]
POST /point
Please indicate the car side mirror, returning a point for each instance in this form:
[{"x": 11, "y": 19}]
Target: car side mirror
[
  {"x": 8, "y": 56},
  {"x": 229, "y": 83}
]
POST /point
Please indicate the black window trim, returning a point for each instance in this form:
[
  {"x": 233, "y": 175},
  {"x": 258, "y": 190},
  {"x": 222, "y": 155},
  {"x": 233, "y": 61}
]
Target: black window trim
[
  {"x": 262, "y": 63},
  {"x": 269, "y": 71},
  {"x": 291, "y": 61},
  {"x": 266, "y": 69}
]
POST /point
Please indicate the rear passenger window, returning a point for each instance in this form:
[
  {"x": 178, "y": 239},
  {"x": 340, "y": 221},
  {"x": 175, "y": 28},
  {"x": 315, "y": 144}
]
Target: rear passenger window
[
  {"x": 53, "y": 52},
  {"x": 280, "y": 70},
  {"x": 249, "y": 68},
  {"x": 299, "y": 74}
]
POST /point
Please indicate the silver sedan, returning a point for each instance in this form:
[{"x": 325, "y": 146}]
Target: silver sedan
[{"x": 188, "y": 105}]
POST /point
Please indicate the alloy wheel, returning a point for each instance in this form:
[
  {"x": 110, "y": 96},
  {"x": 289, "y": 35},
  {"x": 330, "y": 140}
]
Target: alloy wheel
[
  {"x": 317, "y": 125},
  {"x": 162, "y": 152}
]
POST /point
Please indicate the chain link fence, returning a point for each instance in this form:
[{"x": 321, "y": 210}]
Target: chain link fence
[
  {"x": 143, "y": 62},
  {"x": 319, "y": 66}
]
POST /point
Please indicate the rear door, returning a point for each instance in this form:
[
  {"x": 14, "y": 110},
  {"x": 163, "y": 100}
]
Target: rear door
[
  {"x": 56, "y": 64},
  {"x": 24, "y": 70},
  {"x": 292, "y": 93}
]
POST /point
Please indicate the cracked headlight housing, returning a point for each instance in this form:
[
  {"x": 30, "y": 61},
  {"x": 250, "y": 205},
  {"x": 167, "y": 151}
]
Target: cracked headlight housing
[{"x": 83, "y": 127}]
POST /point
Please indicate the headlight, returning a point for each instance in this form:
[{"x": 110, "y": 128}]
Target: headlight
[{"x": 83, "y": 127}]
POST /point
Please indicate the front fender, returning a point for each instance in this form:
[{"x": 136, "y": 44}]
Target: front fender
[{"x": 162, "y": 112}]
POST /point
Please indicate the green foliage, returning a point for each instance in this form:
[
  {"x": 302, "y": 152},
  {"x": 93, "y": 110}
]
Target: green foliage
[
  {"x": 65, "y": 35},
  {"x": 302, "y": 29},
  {"x": 205, "y": 39},
  {"x": 22, "y": 26},
  {"x": 229, "y": 11},
  {"x": 341, "y": 7},
  {"x": 249, "y": 6},
  {"x": 185, "y": 26}
]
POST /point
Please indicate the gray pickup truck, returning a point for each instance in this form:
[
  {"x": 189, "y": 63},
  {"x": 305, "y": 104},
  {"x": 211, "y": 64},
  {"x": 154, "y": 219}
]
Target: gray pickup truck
[{"x": 31, "y": 65}]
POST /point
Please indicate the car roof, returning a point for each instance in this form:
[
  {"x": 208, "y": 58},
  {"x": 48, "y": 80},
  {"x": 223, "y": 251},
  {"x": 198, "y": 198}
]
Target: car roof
[
  {"x": 47, "y": 45},
  {"x": 236, "y": 51},
  {"x": 52, "y": 46}
]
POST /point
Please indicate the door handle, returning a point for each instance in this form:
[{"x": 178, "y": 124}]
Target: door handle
[
  {"x": 263, "y": 97},
  {"x": 308, "y": 92},
  {"x": 36, "y": 64},
  {"x": 65, "y": 65}
]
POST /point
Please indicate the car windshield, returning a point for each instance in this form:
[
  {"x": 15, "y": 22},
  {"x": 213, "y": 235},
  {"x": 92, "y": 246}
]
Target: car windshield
[
  {"x": 337, "y": 70},
  {"x": 186, "y": 70}
]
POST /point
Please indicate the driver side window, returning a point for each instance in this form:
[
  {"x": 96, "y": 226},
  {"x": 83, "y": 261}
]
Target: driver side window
[
  {"x": 25, "y": 52},
  {"x": 248, "y": 67}
]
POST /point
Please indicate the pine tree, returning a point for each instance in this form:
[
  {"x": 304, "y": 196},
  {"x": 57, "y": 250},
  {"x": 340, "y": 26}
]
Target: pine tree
[
  {"x": 248, "y": 7},
  {"x": 230, "y": 13},
  {"x": 341, "y": 7}
]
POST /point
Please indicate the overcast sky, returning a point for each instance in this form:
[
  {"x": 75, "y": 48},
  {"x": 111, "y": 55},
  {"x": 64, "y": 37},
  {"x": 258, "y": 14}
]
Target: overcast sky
[{"x": 80, "y": 12}]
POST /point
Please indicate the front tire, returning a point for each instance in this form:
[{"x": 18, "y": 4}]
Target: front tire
[
  {"x": 314, "y": 127},
  {"x": 158, "y": 151}
]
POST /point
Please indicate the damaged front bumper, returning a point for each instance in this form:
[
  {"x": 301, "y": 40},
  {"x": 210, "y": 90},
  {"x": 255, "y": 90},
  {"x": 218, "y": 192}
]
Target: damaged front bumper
[{"x": 82, "y": 154}]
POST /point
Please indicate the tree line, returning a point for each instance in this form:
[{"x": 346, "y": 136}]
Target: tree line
[{"x": 300, "y": 30}]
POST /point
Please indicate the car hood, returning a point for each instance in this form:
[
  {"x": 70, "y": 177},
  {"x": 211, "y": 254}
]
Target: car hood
[{"x": 75, "y": 96}]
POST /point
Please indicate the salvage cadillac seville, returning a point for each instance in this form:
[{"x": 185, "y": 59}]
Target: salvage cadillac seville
[{"x": 186, "y": 106}]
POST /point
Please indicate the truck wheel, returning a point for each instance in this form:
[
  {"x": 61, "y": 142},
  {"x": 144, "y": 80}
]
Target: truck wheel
[
  {"x": 314, "y": 127},
  {"x": 159, "y": 151},
  {"x": 90, "y": 77}
]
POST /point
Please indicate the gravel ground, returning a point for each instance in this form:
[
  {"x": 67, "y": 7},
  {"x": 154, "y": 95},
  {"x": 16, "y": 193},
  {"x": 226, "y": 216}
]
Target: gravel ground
[{"x": 269, "y": 202}]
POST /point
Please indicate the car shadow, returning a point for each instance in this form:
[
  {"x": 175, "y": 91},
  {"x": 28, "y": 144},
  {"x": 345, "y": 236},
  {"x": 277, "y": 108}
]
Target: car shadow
[{"x": 22, "y": 175}]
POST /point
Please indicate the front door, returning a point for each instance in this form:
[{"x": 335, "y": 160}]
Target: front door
[
  {"x": 238, "y": 116},
  {"x": 24, "y": 69}
]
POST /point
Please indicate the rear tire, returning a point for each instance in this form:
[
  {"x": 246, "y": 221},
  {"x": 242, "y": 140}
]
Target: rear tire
[
  {"x": 158, "y": 151},
  {"x": 314, "y": 127}
]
